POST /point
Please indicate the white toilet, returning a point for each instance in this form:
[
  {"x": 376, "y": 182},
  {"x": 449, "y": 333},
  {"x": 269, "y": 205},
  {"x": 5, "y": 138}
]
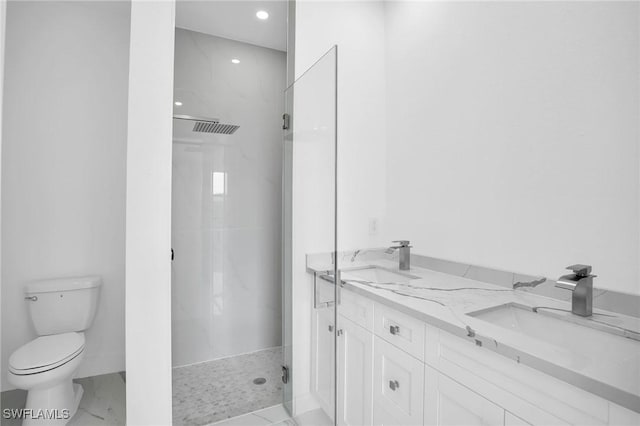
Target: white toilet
[{"x": 60, "y": 310}]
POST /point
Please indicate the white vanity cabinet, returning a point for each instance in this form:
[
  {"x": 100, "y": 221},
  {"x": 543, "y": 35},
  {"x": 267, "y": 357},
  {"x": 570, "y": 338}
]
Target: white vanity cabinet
[
  {"x": 394, "y": 369},
  {"x": 528, "y": 394},
  {"x": 448, "y": 403}
]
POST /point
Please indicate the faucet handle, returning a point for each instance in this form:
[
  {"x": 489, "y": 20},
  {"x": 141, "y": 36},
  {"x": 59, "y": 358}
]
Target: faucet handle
[
  {"x": 580, "y": 270},
  {"x": 403, "y": 243}
]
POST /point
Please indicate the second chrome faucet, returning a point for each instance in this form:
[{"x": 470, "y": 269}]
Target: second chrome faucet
[
  {"x": 581, "y": 285},
  {"x": 404, "y": 257}
]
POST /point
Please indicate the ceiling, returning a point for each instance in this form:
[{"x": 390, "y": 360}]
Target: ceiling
[{"x": 236, "y": 19}]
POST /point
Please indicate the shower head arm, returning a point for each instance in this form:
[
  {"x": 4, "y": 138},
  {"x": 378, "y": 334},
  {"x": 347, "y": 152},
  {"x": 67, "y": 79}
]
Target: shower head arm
[{"x": 194, "y": 118}]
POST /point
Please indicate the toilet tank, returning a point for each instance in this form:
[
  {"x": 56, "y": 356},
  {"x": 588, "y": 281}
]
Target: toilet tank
[{"x": 63, "y": 305}]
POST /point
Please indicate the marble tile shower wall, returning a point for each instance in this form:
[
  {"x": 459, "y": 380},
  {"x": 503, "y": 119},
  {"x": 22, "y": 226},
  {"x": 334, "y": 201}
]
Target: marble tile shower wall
[{"x": 226, "y": 200}]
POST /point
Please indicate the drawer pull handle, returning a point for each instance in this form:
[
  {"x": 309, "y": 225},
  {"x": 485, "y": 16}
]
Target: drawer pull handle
[
  {"x": 394, "y": 329},
  {"x": 393, "y": 384},
  {"x": 330, "y": 328}
]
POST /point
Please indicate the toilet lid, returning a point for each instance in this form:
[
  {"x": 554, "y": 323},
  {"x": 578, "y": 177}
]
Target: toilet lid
[{"x": 46, "y": 352}]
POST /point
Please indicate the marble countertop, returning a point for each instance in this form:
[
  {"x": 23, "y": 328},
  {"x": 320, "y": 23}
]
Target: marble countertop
[{"x": 445, "y": 300}]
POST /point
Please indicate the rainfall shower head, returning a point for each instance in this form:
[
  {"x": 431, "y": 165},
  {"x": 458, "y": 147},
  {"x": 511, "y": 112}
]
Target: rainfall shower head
[{"x": 208, "y": 125}]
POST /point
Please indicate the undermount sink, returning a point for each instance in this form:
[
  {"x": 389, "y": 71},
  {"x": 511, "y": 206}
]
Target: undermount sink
[
  {"x": 376, "y": 274},
  {"x": 586, "y": 338}
]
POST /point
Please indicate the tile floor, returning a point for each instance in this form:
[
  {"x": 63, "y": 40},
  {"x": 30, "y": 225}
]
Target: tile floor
[
  {"x": 216, "y": 390},
  {"x": 102, "y": 404}
]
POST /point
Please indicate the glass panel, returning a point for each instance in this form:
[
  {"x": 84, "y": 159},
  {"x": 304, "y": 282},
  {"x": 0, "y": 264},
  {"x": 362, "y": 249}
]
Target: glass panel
[{"x": 309, "y": 236}]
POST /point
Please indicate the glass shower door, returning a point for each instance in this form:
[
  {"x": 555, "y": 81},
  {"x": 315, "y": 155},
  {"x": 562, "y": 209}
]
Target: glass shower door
[{"x": 309, "y": 240}]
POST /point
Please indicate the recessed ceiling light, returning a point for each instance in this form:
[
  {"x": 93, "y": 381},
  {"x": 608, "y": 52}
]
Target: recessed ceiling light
[
  {"x": 262, "y": 14},
  {"x": 235, "y": 61},
  {"x": 178, "y": 103}
]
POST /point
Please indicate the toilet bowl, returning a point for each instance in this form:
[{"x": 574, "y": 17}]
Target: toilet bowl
[
  {"x": 60, "y": 310},
  {"x": 45, "y": 368}
]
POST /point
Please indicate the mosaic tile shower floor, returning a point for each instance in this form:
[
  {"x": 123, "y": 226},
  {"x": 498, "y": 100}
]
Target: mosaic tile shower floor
[{"x": 211, "y": 391}]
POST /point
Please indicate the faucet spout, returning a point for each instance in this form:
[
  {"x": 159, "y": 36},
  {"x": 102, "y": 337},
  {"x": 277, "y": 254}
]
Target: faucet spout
[
  {"x": 405, "y": 254},
  {"x": 580, "y": 282}
]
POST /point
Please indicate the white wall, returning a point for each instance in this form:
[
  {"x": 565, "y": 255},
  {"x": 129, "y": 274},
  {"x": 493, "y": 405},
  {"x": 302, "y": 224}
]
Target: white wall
[
  {"x": 148, "y": 218},
  {"x": 358, "y": 30},
  {"x": 512, "y": 135},
  {"x": 357, "y": 27},
  {"x": 226, "y": 276},
  {"x": 63, "y": 164}
]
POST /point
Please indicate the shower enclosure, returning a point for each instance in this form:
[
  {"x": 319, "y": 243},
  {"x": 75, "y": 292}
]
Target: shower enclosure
[
  {"x": 226, "y": 228},
  {"x": 253, "y": 194}
]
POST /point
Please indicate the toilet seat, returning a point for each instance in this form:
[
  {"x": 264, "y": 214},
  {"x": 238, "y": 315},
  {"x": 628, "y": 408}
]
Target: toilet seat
[{"x": 46, "y": 353}]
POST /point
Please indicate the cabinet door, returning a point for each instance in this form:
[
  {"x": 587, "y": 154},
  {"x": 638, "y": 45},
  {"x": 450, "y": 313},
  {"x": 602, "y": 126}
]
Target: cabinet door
[
  {"x": 323, "y": 344},
  {"x": 355, "y": 370},
  {"x": 448, "y": 403},
  {"x": 398, "y": 381}
]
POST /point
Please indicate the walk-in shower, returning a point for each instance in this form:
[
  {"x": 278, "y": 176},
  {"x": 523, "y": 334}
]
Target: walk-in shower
[{"x": 226, "y": 228}]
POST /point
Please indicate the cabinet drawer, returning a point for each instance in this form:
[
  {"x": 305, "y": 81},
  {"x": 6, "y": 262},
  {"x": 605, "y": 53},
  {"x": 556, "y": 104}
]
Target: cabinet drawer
[
  {"x": 398, "y": 383},
  {"x": 357, "y": 308},
  {"x": 449, "y": 403},
  {"x": 404, "y": 331}
]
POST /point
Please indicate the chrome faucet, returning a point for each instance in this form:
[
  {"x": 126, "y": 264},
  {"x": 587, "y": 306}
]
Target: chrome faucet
[
  {"x": 405, "y": 253},
  {"x": 581, "y": 284}
]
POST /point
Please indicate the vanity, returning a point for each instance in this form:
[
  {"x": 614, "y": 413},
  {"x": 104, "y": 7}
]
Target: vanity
[{"x": 442, "y": 346}]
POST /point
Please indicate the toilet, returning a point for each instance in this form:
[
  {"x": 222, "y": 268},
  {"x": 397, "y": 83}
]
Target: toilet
[{"x": 60, "y": 310}]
